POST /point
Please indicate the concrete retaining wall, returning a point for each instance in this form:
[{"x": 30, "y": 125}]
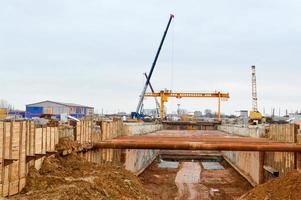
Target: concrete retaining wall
[
  {"x": 251, "y": 131},
  {"x": 140, "y": 128},
  {"x": 137, "y": 161},
  {"x": 248, "y": 164}
]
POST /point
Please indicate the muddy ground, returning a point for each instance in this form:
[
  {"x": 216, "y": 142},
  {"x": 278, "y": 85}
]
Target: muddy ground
[{"x": 224, "y": 184}]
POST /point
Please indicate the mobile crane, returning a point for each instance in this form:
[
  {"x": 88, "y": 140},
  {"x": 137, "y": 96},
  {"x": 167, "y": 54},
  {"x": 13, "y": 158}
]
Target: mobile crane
[{"x": 139, "y": 111}]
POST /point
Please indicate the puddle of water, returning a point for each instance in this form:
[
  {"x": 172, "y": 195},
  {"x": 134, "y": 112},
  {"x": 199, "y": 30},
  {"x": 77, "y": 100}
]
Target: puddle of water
[
  {"x": 168, "y": 164},
  {"x": 212, "y": 166}
]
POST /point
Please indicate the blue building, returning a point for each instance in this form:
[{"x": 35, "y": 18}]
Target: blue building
[{"x": 57, "y": 109}]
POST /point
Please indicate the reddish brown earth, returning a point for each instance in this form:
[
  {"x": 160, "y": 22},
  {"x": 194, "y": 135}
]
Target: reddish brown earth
[
  {"x": 160, "y": 183},
  {"x": 287, "y": 187},
  {"x": 224, "y": 184}
]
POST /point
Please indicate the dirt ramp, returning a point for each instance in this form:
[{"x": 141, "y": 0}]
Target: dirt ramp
[
  {"x": 285, "y": 188},
  {"x": 71, "y": 177}
]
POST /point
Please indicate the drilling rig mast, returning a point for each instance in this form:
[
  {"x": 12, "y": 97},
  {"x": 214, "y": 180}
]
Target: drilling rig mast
[{"x": 255, "y": 115}]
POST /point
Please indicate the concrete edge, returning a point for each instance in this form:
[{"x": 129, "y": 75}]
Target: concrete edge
[{"x": 147, "y": 165}]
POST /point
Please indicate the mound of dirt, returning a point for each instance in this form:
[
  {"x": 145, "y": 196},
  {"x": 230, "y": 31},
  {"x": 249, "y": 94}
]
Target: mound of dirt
[
  {"x": 287, "y": 187},
  {"x": 67, "y": 143},
  {"x": 71, "y": 177}
]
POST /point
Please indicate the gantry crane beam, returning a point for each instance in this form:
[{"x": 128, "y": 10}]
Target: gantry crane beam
[{"x": 165, "y": 94}]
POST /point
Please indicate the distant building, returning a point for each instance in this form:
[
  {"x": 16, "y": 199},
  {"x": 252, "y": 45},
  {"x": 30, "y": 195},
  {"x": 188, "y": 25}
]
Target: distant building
[
  {"x": 57, "y": 109},
  {"x": 198, "y": 113}
]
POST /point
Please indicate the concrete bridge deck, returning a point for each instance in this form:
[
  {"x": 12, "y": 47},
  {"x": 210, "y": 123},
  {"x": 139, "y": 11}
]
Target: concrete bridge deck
[{"x": 197, "y": 140}]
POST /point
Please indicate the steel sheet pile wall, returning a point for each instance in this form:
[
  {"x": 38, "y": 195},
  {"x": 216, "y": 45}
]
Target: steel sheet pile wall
[
  {"x": 22, "y": 146},
  {"x": 282, "y": 162}
]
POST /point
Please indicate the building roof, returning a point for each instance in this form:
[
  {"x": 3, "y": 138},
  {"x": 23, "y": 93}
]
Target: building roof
[{"x": 61, "y": 103}]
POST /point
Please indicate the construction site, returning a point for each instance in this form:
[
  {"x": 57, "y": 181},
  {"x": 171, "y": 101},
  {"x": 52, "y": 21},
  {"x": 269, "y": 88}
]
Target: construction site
[{"x": 54, "y": 150}]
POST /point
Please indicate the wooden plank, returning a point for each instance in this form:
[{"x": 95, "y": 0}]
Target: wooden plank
[
  {"x": 48, "y": 139},
  {"x": 7, "y": 150},
  {"x": 15, "y": 136},
  {"x": 22, "y": 156},
  {"x": 56, "y": 134},
  {"x": 39, "y": 140},
  {"x": 2, "y": 152},
  {"x": 298, "y": 156},
  {"x": 31, "y": 143},
  {"x": 6, "y": 146}
]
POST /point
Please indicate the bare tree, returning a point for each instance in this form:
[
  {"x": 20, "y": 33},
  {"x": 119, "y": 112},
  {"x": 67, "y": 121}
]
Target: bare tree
[{"x": 6, "y": 104}]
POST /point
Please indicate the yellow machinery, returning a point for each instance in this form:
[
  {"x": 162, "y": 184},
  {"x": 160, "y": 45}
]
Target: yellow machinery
[
  {"x": 165, "y": 94},
  {"x": 255, "y": 115},
  {"x": 3, "y": 113}
]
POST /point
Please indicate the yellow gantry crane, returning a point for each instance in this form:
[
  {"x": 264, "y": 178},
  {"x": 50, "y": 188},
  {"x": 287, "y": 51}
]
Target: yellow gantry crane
[{"x": 165, "y": 94}]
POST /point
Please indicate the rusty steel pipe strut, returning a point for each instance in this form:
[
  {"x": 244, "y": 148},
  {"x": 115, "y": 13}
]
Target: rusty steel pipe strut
[{"x": 269, "y": 147}]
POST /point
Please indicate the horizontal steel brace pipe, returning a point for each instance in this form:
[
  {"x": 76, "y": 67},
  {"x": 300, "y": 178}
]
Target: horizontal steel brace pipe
[{"x": 269, "y": 147}]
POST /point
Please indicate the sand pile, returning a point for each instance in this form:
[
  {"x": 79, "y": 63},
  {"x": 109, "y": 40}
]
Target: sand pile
[{"x": 285, "y": 188}]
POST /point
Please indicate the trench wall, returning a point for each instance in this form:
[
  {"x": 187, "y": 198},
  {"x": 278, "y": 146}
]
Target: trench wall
[
  {"x": 140, "y": 128},
  {"x": 248, "y": 164},
  {"x": 283, "y": 162},
  {"x": 137, "y": 160},
  {"x": 24, "y": 145},
  {"x": 252, "y": 164}
]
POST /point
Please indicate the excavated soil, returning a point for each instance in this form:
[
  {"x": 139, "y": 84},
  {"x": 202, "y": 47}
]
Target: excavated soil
[
  {"x": 74, "y": 178},
  {"x": 284, "y": 188},
  {"x": 67, "y": 144}
]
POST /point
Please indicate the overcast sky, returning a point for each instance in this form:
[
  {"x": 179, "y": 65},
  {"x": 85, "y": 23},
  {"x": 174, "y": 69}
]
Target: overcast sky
[{"x": 94, "y": 52}]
